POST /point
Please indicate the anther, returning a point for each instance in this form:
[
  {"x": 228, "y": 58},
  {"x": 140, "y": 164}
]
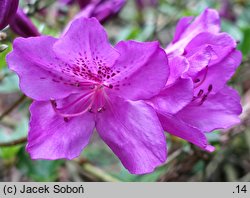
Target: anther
[
  {"x": 53, "y": 102},
  {"x": 200, "y": 93},
  {"x": 99, "y": 110},
  {"x": 197, "y": 80},
  {"x": 210, "y": 87},
  {"x": 203, "y": 99},
  {"x": 203, "y": 79},
  {"x": 92, "y": 86}
]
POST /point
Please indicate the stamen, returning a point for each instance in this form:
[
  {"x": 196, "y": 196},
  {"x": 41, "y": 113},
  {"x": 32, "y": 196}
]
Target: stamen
[
  {"x": 203, "y": 99},
  {"x": 92, "y": 101},
  {"x": 72, "y": 103},
  {"x": 200, "y": 93},
  {"x": 99, "y": 101},
  {"x": 204, "y": 78},
  {"x": 99, "y": 110},
  {"x": 87, "y": 97},
  {"x": 66, "y": 119},
  {"x": 65, "y": 115},
  {"x": 197, "y": 80}
]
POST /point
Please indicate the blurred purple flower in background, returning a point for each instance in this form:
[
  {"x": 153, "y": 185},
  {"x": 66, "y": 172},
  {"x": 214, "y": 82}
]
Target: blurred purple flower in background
[
  {"x": 80, "y": 82},
  {"x": 84, "y": 3},
  {"x": 145, "y": 3},
  {"x": 107, "y": 9},
  {"x": 67, "y": 2},
  {"x": 196, "y": 98},
  {"x": 227, "y": 11},
  {"x": 101, "y": 9},
  {"x": 8, "y": 10},
  {"x": 22, "y": 25}
]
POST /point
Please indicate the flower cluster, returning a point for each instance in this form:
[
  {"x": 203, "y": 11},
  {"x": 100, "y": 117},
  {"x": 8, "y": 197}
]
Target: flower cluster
[{"x": 131, "y": 92}]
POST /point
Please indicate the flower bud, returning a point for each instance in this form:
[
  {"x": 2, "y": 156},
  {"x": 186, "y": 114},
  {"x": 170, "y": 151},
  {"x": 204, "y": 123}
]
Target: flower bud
[
  {"x": 107, "y": 9},
  {"x": 8, "y": 10},
  {"x": 23, "y": 26},
  {"x": 84, "y": 3}
]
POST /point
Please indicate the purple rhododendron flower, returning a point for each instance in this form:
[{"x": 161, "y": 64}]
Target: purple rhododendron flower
[
  {"x": 196, "y": 98},
  {"x": 101, "y": 9},
  {"x": 80, "y": 82},
  {"x": 107, "y": 9},
  {"x": 8, "y": 10},
  {"x": 22, "y": 25}
]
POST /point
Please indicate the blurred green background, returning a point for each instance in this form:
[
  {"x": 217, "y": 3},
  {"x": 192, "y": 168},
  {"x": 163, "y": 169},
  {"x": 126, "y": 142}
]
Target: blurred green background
[{"x": 230, "y": 161}]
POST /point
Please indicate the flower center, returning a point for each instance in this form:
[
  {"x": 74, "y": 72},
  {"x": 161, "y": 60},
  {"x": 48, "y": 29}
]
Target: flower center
[{"x": 92, "y": 100}]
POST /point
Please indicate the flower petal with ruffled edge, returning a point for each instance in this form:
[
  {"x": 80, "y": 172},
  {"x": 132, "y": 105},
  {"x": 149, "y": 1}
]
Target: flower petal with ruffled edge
[
  {"x": 178, "y": 66},
  {"x": 52, "y": 137},
  {"x": 39, "y": 71},
  {"x": 221, "y": 44},
  {"x": 172, "y": 99},
  {"x": 216, "y": 76},
  {"x": 199, "y": 60},
  {"x": 218, "y": 111},
  {"x": 86, "y": 45},
  {"x": 181, "y": 129},
  {"x": 207, "y": 21},
  {"x": 141, "y": 70},
  {"x": 132, "y": 130}
]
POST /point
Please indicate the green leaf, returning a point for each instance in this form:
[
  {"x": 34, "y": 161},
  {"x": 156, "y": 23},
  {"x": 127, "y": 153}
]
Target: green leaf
[
  {"x": 38, "y": 170},
  {"x": 8, "y": 153},
  {"x": 245, "y": 44},
  {"x": 6, "y": 136}
]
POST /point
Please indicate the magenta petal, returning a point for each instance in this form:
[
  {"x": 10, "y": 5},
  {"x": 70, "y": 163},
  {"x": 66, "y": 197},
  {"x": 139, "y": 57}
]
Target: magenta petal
[
  {"x": 38, "y": 69},
  {"x": 141, "y": 71},
  {"x": 183, "y": 23},
  {"x": 177, "y": 65},
  {"x": 134, "y": 133},
  {"x": 219, "y": 111},
  {"x": 208, "y": 21},
  {"x": 217, "y": 75},
  {"x": 179, "y": 128},
  {"x": 52, "y": 137},
  {"x": 221, "y": 45},
  {"x": 86, "y": 44},
  {"x": 172, "y": 99},
  {"x": 199, "y": 59}
]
